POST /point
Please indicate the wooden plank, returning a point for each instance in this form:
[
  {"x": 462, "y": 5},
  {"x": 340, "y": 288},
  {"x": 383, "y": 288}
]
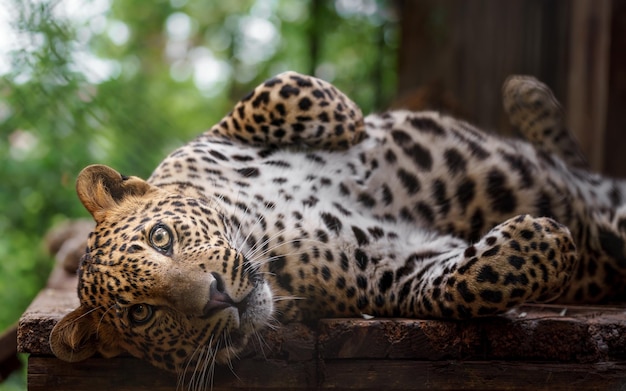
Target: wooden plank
[
  {"x": 582, "y": 334},
  {"x": 397, "y": 339},
  {"x": 9, "y": 361},
  {"x": 615, "y": 142},
  {"x": 35, "y": 325},
  {"x": 46, "y": 373},
  {"x": 471, "y": 375},
  {"x": 8, "y": 343},
  {"x": 61, "y": 279},
  {"x": 50, "y": 374},
  {"x": 588, "y": 80},
  {"x": 127, "y": 373}
]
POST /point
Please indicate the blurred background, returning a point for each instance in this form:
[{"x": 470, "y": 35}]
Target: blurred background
[{"x": 123, "y": 82}]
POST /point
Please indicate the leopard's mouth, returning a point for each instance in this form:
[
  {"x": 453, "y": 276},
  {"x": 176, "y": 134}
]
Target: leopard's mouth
[
  {"x": 254, "y": 310},
  {"x": 253, "y": 314}
]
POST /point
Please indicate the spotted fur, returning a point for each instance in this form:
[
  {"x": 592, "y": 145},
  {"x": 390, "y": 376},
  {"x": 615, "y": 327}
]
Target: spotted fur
[
  {"x": 535, "y": 112},
  {"x": 294, "y": 207}
]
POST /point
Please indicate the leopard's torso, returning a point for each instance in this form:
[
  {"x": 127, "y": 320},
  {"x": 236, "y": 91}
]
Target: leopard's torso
[{"x": 306, "y": 211}]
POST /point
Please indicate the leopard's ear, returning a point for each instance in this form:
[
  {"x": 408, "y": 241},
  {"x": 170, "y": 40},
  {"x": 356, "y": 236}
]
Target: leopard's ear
[
  {"x": 80, "y": 334},
  {"x": 100, "y": 188}
]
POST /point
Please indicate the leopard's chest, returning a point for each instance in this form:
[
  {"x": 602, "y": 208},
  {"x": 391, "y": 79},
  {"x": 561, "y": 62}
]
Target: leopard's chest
[{"x": 267, "y": 180}]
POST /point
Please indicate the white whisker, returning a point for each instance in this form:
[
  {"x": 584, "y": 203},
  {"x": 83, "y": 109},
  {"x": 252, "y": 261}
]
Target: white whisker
[
  {"x": 261, "y": 341},
  {"x": 252, "y": 227},
  {"x": 281, "y": 298},
  {"x": 233, "y": 213},
  {"x": 256, "y": 263},
  {"x": 252, "y": 251},
  {"x": 102, "y": 318},
  {"x": 273, "y": 323},
  {"x": 182, "y": 375},
  {"x": 201, "y": 380},
  {"x": 229, "y": 343}
]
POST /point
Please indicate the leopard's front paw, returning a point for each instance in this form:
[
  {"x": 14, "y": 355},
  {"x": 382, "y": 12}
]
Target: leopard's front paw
[{"x": 523, "y": 259}]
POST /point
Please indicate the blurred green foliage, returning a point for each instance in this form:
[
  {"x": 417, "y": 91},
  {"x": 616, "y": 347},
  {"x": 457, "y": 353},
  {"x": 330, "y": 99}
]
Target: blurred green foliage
[{"x": 124, "y": 82}]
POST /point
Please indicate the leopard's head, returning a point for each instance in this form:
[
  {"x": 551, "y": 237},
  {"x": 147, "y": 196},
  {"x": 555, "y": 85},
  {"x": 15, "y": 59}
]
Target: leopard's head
[{"x": 159, "y": 279}]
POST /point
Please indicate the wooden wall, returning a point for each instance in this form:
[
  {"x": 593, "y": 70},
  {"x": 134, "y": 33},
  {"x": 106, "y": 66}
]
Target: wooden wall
[
  {"x": 615, "y": 136},
  {"x": 468, "y": 48}
]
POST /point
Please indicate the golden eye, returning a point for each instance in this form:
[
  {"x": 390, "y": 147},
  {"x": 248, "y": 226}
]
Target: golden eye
[
  {"x": 140, "y": 313},
  {"x": 161, "y": 238}
]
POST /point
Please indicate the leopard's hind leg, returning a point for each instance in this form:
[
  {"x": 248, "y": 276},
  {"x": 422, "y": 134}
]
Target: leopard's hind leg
[
  {"x": 524, "y": 259},
  {"x": 537, "y": 114}
]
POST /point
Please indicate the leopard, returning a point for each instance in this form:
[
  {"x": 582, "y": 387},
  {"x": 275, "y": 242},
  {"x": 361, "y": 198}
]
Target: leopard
[
  {"x": 535, "y": 112},
  {"x": 295, "y": 207}
]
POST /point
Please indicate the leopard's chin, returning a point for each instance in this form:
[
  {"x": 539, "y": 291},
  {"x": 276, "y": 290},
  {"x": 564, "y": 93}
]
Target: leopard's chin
[{"x": 253, "y": 317}]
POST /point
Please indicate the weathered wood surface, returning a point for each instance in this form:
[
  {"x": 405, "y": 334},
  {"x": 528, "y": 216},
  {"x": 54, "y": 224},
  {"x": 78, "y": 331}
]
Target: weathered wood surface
[
  {"x": 533, "y": 347},
  {"x": 588, "y": 77},
  {"x": 615, "y": 142},
  {"x": 126, "y": 374},
  {"x": 8, "y": 352}
]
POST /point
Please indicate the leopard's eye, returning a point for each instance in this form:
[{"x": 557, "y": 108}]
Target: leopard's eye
[
  {"x": 161, "y": 238},
  {"x": 140, "y": 313}
]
